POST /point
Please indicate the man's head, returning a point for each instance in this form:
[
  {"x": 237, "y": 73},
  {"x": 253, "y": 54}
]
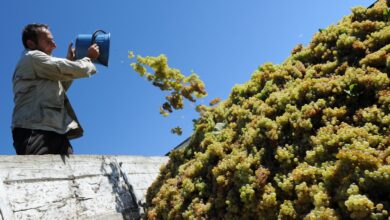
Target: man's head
[{"x": 38, "y": 37}]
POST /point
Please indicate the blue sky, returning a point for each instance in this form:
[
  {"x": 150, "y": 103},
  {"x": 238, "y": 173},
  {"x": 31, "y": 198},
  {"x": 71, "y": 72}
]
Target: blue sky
[{"x": 223, "y": 41}]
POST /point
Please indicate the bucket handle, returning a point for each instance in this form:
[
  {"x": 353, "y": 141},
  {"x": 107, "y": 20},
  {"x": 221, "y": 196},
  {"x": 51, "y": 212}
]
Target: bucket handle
[{"x": 94, "y": 35}]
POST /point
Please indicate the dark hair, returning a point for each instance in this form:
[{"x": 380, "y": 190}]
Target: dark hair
[{"x": 30, "y": 32}]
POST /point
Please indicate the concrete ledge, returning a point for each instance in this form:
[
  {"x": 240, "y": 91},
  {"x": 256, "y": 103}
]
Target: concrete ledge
[{"x": 75, "y": 187}]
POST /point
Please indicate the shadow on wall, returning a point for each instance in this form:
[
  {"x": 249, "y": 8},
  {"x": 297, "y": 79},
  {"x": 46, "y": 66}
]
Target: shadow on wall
[{"x": 126, "y": 201}]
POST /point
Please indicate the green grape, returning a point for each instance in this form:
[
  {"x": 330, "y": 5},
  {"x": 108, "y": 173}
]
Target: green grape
[
  {"x": 215, "y": 101},
  {"x": 177, "y": 130}
]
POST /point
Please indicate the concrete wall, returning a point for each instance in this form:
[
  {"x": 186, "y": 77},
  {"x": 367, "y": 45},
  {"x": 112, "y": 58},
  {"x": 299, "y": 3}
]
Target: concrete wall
[{"x": 75, "y": 187}]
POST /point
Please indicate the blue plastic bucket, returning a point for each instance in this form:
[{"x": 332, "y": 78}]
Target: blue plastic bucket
[{"x": 101, "y": 38}]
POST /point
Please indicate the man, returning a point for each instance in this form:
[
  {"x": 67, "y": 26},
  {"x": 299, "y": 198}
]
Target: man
[{"x": 43, "y": 120}]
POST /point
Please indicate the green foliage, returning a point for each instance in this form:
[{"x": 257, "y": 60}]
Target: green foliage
[{"x": 306, "y": 139}]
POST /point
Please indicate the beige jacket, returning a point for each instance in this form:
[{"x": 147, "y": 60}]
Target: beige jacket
[{"x": 39, "y": 85}]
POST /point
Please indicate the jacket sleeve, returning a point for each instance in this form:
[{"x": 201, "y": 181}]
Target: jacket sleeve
[{"x": 54, "y": 68}]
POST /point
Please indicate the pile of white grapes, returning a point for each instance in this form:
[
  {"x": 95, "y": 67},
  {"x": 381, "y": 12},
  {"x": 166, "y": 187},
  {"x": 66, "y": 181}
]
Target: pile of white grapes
[{"x": 306, "y": 139}]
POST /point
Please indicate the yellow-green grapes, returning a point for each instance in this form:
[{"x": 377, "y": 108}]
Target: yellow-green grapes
[
  {"x": 169, "y": 79},
  {"x": 306, "y": 139}
]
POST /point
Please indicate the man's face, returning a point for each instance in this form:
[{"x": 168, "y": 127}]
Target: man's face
[{"x": 46, "y": 42}]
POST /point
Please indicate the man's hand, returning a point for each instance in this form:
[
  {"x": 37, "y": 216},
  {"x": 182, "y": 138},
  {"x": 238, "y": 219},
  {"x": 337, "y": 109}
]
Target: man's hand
[
  {"x": 71, "y": 52},
  {"x": 93, "y": 52}
]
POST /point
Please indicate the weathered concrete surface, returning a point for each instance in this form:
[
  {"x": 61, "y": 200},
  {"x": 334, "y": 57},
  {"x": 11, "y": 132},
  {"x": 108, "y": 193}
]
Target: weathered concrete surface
[{"x": 75, "y": 187}]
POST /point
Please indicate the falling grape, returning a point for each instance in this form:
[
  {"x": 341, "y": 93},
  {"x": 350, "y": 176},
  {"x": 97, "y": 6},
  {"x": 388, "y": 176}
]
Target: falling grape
[
  {"x": 169, "y": 79},
  {"x": 215, "y": 101},
  {"x": 177, "y": 130}
]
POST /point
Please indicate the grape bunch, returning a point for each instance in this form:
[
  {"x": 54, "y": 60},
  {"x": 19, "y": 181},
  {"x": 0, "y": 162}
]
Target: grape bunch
[
  {"x": 169, "y": 79},
  {"x": 306, "y": 139}
]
